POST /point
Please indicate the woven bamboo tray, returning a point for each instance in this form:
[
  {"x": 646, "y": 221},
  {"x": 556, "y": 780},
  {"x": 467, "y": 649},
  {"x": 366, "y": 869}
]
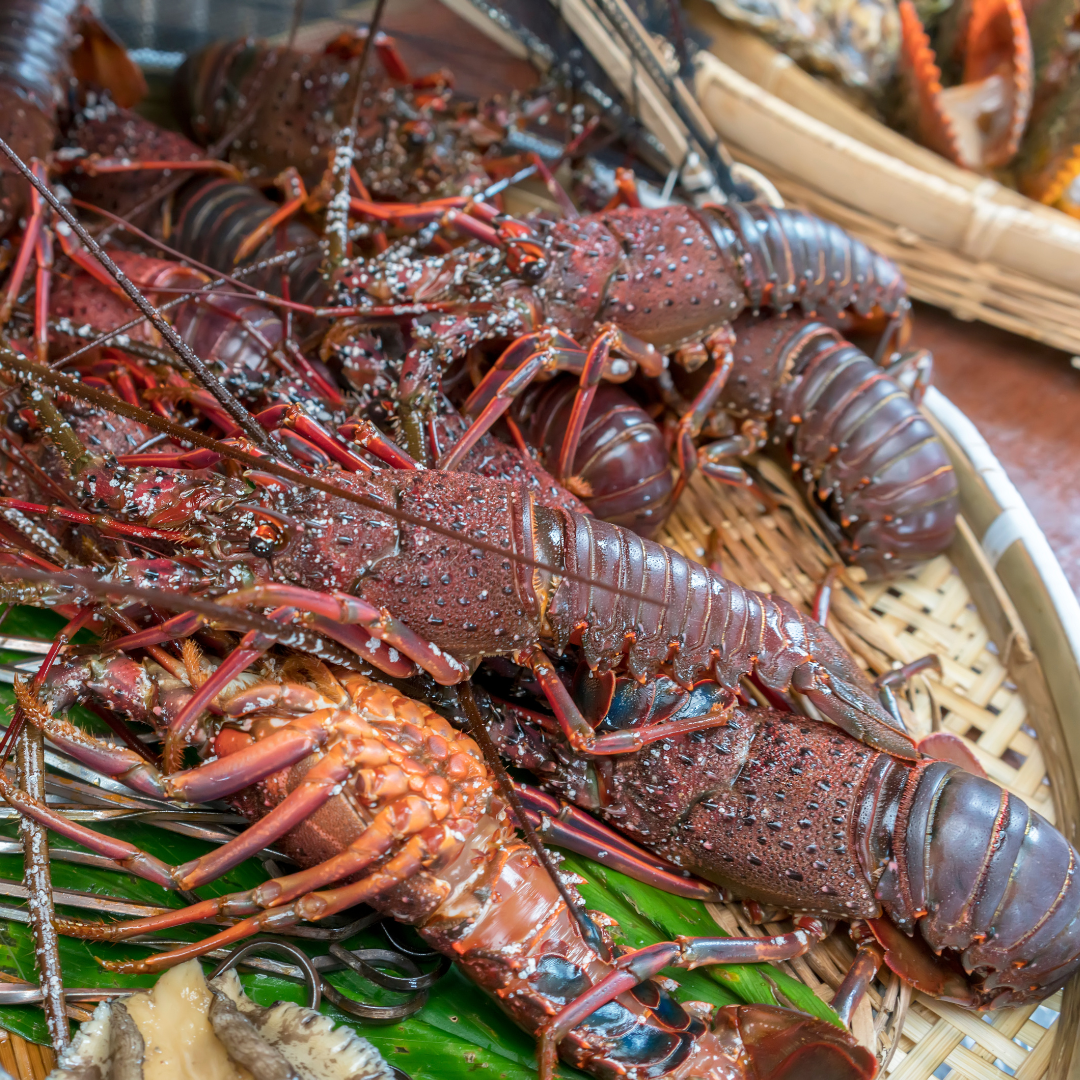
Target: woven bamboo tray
[{"x": 998, "y": 612}]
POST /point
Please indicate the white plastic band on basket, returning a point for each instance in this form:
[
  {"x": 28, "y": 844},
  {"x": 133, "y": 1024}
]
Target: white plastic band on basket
[
  {"x": 988, "y": 221},
  {"x": 1015, "y": 522}
]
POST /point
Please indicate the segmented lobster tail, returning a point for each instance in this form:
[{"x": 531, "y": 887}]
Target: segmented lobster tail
[
  {"x": 215, "y": 217},
  {"x": 987, "y": 876},
  {"x": 794, "y": 257},
  {"x": 35, "y": 39},
  {"x": 874, "y": 468},
  {"x": 620, "y": 468},
  {"x": 206, "y": 87},
  {"x": 672, "y": 613},
  {"x": 35, "y": 36}
]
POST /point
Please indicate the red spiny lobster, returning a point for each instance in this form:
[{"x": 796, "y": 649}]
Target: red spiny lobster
[
  {"x": 36, "y": 42},
  {"x": 788, "y": 811},
  {"x": 387, "y": 789},
  {"x": 290, "y": 105}
]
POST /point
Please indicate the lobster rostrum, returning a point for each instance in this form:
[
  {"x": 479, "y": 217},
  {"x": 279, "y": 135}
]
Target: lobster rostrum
[
  {"x": 968, "y": 893},
  {"x": 385, "y": 803}
]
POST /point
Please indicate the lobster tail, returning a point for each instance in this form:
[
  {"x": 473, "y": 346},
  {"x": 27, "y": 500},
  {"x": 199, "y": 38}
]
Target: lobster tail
[
  {"x": 988, "y": 877},
  {"x": 34, "y": 40},
  {"x": 794, "y": 257},
  {"x": 215, "y": 217},
  {"x": 673, "y": 613},
  {"x": 872, "y": 463},
  {"x": 621, "y": 463}
]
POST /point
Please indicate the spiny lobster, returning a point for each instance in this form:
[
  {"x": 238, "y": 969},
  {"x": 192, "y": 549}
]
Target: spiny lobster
[
  {"x": 290, "y": 104},
  {"x": 787, "y": 811},
  {"x": 386, "y": 789}
]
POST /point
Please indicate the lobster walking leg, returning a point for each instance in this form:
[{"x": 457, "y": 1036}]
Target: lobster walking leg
[
  {"x": 634, "y": 967},
  {"x": 856, "y": 982},
  {"x": 567, "y": 827},
  {"x": 580, "y": 734}
]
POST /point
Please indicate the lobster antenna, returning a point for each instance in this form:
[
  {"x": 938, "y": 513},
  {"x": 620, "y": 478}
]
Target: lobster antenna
[
  {"x": 244, "y": 420},
  {"x": 68, "y": 385},
  {"x": 295, "y": 637},
  {"x": 337, "y": 213},
  {"x": 294, "y": 26},
  {"x": 252, "y": 268},
  {"x": 479, "y": 732}
]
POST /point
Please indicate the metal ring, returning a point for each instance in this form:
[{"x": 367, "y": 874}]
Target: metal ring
[
  {"x": 361, "y": 960},
  {"x": 376, "y": 1014},
  {"x": 312, "y": 979},
  {"x": 422, "y": 954}
]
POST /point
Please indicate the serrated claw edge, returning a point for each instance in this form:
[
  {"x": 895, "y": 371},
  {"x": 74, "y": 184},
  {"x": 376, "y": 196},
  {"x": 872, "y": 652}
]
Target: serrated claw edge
[{"x": 918, "y": 64}]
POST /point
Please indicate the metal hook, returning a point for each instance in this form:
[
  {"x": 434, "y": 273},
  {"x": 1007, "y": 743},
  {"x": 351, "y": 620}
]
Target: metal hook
[
  {"x": 376, "y": 1014},
  {"x": 358, "y": 961},
  {"x": 312, "y": 979},
  {"x": 415, "y": 954}
]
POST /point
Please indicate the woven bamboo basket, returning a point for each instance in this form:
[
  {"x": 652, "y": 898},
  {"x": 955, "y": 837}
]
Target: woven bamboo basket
[
  {"x": 997, "y": 610},
  {"x": 965, "y": 242}
]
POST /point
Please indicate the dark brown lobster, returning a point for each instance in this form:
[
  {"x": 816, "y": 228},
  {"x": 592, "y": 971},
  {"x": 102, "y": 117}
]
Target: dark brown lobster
[
  {"x": 871, "y": 465},
  {"x": 787, "y": 811},
  {"x": 290, "y": 104}
]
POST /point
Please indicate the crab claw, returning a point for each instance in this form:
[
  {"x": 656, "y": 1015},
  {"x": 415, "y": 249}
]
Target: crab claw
[
  {"x": 977, "y": 124},
  {"x": 785, "y": 1045}
]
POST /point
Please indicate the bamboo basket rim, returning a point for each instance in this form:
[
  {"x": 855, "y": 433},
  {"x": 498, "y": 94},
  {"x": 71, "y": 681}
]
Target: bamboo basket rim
[{"x": 1015, "y": 523}]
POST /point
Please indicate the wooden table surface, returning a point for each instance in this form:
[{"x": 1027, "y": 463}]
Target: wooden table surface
[{"x": 1025, "y": 400}]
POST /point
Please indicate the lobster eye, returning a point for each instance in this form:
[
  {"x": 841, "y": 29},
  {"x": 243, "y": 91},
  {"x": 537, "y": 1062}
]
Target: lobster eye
[
  {"x": 266, "y": 539},
  {"x": 533, "y": 270}
]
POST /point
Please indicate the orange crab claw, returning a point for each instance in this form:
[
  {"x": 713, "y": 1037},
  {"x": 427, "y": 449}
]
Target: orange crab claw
[
  {"x": 918, "y": 65},
  {"x": 977, "y": 124}
]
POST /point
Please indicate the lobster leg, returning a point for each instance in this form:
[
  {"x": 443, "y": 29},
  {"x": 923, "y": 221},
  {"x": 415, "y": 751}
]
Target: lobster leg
[
  {"x": 719, "y": 345},
  {"x": 34, "y": 225},
  {"x": 552, "y": 351},
  {"x": 634, "y": 967},
  {"x": 229, "y": 774},
  {"x": 579, "y": 732},
  {"x": 351, "y": 610},
  {"x": 596, "y": 361},
  {"x": 823, "y": 594},
  {"x": 860, "y": 975},
  {"x": 295, "y": 419},
  {"x": 310, "y": 907},
  {"x": 292, "y": 187},
  {"x": 566, "y": 826}
]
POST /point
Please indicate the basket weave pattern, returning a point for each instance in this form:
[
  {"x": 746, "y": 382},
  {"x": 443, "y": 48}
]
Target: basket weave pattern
[{"x": 884, "y": 624}]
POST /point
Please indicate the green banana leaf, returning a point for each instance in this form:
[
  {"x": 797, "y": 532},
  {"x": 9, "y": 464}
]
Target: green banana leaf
[{"x": 458, "y": 1031}]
